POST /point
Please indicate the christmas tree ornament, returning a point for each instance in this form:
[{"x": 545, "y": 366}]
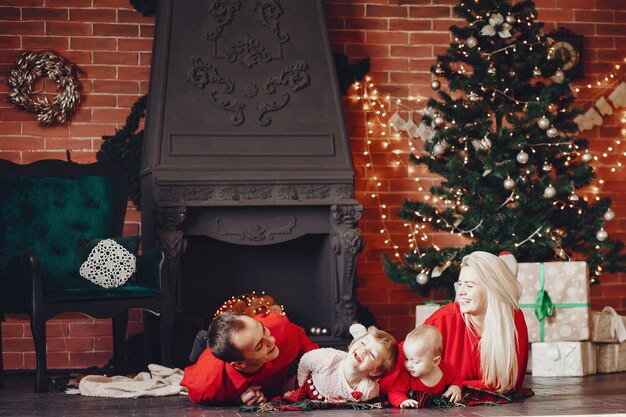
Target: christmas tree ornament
[
  {"x": 435, "y": 84},
  {"x": 471, "y": 42},
  {"x": 543, "y": 122},
  {"x": 552, "y": 132},
  {"x": 558, "y": 77},
  {"x": 587, "y": 157},
  {"x": 602, "y": 235},
  {"x": 522, "y": 157},
  {"x": 438, "y": 149},
  {"x": 537, "y": 73},
  {"x": 508, "y": 184},
  {"x": 549, "y": 192},
  {"x": 491, "y": 70},
  {"x": 439, "y": 120},
  {"x": 609, "y": 215},
  {"x": 496, "y": 25},
  {"x": 439, "y": 71},
  {"x": 421, "y": 278},
  {"x": 510, "y": 19},
  {"x": 573, "y": 198},
  {"x": 485, "y": 143},
  {"x": 472, "y": 96}
]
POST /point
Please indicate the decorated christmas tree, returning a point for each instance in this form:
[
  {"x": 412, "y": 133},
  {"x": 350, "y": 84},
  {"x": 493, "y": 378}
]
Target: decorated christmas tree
[{"x": 504, "y": 140}]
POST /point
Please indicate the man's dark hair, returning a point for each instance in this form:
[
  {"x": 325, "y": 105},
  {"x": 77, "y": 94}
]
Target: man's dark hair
[{"x": 221, "y": 332}]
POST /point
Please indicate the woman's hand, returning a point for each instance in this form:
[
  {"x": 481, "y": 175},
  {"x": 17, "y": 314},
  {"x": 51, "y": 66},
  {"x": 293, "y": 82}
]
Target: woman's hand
[
  {"x": 409, "y": 404},
  {"x": 252, "y": 396},
  {"x": 453, "y": 393}
]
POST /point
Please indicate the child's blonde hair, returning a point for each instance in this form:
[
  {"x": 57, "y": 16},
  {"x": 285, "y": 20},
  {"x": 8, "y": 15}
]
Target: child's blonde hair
[
  {"x": 389, "y": 343},
  {"x": 429, "y": 333}
]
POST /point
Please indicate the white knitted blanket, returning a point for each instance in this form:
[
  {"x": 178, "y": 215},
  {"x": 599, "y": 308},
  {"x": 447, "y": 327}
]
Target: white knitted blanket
[{"x": 161, "y": 381}]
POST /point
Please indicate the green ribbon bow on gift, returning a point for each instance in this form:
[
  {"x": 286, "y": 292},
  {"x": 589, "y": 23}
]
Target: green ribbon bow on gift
[{"x": 544, "y": 307}]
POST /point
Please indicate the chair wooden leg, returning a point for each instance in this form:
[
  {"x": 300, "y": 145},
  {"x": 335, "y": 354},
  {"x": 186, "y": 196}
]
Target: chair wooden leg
[
  {"x": 167, "y": 328},
  {"x": 148, "y": 337},
  {"x": 120, "y": 321},
  {"x": 38, "y": 327}
]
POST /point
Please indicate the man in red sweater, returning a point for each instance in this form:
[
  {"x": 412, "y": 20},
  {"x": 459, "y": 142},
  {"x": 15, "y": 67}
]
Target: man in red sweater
[{"x": 247, "y": 360}]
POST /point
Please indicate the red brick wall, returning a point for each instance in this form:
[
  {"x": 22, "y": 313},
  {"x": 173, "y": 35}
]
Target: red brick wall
[{"x": 112, "y": 44}]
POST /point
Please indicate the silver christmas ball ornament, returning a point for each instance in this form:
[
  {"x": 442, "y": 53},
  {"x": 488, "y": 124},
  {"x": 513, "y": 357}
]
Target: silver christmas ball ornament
[
  {"x": 522, "y": 157},
  {"x": 559, "y": 74},
  {"x": 421, "y": 278},
  {"x": 609, "y": 215},
  {"x": 602, "y": 235},
  {"x": 510, "y": 19},
  {"x": 471, "y": 42},
  {"x": 549, "y": 192},
  {"x": 543, "y": 122},
  {"x": 508, "y": 184},
  {"x": 439, "y": 120},
  {"x": 552, "y": 132},
  {"x": 435, "y": 84},
  {"x": 536, "y": 72},
  {"x": 587, "y": 157},
  {"x": 438, "y": 149}
]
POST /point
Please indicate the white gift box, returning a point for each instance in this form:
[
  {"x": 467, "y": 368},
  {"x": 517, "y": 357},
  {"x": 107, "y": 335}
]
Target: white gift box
[
  {"x": 424, "y": 311},
  {"x": 566, "y": 284},
  {"x": 563, "y": 359}
]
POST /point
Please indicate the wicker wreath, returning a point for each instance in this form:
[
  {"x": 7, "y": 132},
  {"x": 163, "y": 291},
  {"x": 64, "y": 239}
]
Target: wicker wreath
[{"x": 31, "y": 66}]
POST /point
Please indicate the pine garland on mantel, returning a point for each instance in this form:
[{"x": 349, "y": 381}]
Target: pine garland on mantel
[{"x": 124, "y": 148}]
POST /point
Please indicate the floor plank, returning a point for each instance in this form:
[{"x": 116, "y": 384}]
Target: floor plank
[{"x": 589, "y": 396}]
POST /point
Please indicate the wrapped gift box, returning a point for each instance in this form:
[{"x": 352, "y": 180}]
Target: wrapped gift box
[
  {"x": 563, "y": 359},
  {"x": 566, "y": 285},
  {"x": 422, "y": 312},
  {"x": 611, "y": 357},
  {"x": 607, "y": 326}
]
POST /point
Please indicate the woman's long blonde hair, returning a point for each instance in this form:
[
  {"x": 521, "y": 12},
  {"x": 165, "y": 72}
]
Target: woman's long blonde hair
[{"x": 498, "y": 345}]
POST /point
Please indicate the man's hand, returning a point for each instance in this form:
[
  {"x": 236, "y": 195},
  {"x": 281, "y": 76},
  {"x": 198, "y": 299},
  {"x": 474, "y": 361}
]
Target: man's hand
[
  {"x": 453, "y": 393},
  {"x": 253, "y": 396},
  {"x": 409, "y": 404}
]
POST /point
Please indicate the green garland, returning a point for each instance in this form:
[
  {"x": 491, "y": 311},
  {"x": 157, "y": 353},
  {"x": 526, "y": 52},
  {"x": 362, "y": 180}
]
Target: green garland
[
  {"x": 124, "y": 148},
  {"x": 145, "y": 7}
]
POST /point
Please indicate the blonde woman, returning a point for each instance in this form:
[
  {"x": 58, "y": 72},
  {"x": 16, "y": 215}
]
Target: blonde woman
[{"x": 484, "y": 334}]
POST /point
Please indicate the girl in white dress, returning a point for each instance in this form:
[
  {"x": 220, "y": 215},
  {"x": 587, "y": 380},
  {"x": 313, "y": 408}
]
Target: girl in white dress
[{"x": 334, "y": 375}]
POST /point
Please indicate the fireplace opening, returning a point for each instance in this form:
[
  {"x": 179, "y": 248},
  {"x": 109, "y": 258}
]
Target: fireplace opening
[{"x": 295, "y": 273}]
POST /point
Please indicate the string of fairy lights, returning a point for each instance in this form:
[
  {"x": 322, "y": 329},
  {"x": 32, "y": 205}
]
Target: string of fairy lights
[{"x": 380, "y": 130}]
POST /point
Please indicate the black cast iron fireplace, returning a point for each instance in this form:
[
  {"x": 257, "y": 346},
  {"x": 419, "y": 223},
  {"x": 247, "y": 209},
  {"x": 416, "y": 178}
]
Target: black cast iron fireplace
[{"x": 247, "y": 176}]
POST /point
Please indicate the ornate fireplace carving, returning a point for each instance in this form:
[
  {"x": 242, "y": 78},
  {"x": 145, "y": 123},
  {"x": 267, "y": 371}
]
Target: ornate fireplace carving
[{"x": 246, "y": 151}]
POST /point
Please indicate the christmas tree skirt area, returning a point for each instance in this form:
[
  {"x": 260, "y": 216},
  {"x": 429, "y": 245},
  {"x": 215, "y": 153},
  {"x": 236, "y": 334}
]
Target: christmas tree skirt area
[{"x": 593, "y": 395}]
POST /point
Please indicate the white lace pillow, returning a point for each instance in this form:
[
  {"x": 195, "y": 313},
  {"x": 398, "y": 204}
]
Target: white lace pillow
[{"x": 109, "y": 264}]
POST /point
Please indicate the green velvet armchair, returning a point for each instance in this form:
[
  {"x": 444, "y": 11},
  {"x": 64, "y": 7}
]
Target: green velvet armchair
[{"x": 49, "y": 209}]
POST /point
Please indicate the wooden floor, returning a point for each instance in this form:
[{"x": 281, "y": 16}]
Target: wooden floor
[{"x": 589, "y": 396}]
